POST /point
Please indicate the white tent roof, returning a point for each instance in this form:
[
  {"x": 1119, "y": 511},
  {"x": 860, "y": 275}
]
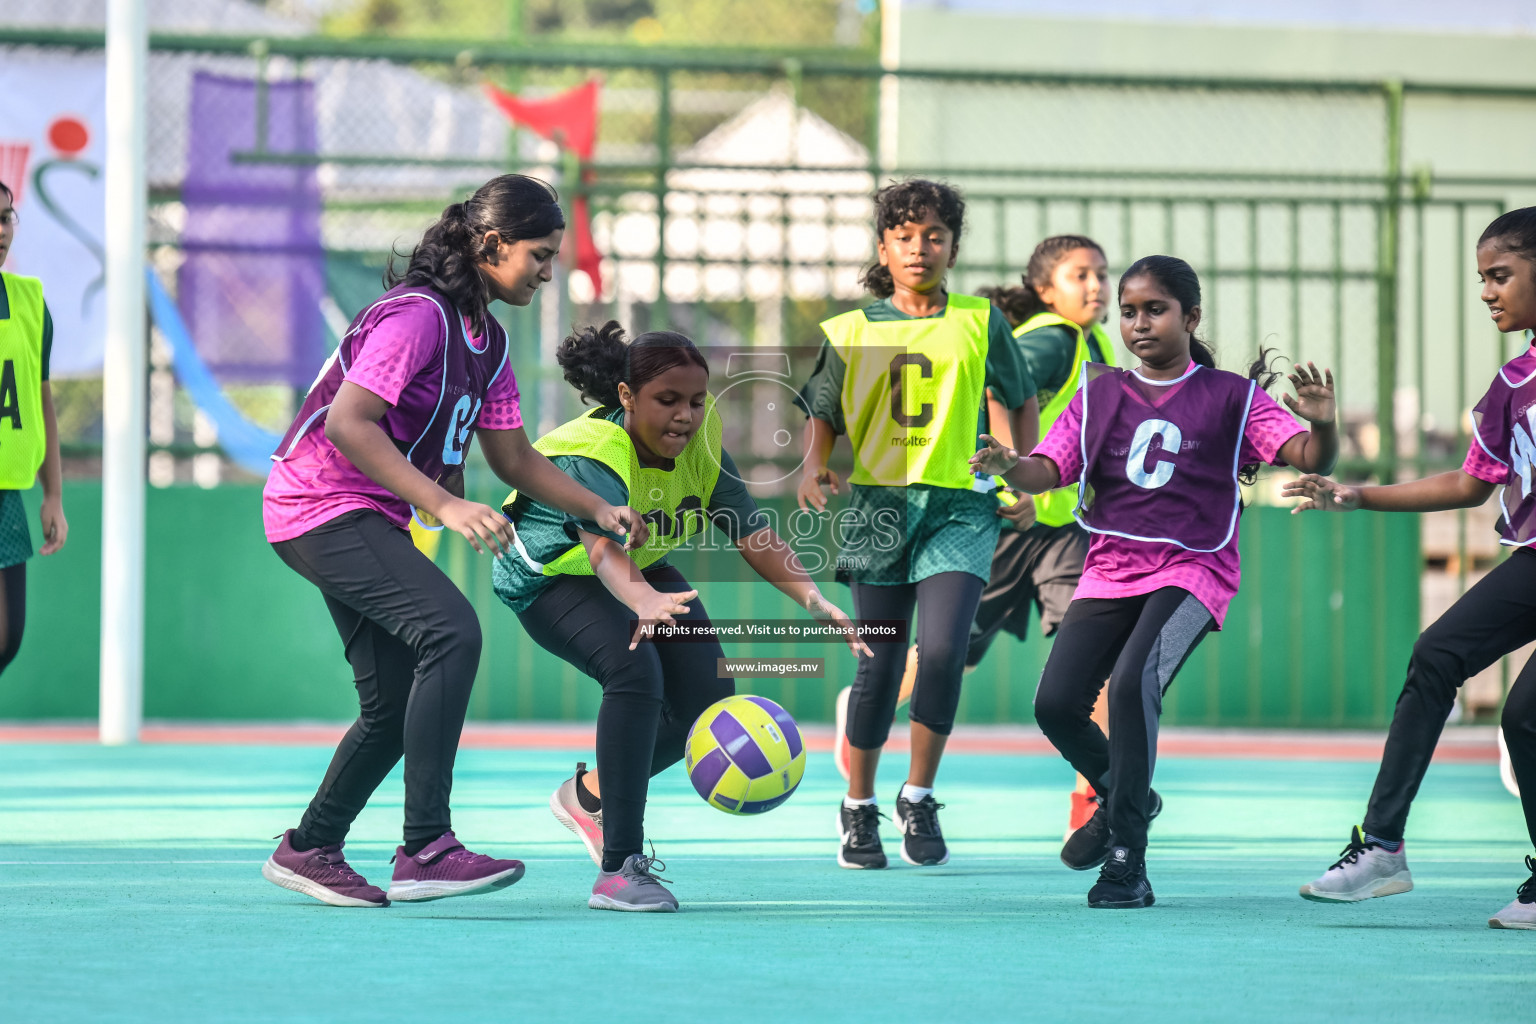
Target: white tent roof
[{"x": 754, "y": 232}]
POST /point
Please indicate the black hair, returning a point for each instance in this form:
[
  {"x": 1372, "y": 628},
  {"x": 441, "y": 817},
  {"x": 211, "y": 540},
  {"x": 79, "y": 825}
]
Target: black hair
[
  {"x": 1022, "y": 301},
  {"x": 597, "y": 359},
  {"x": 9, "y": 195},
  {"x": 446, "y": 259},
  {"x": 1514, "y": 232},
  {"x": 1179, "y": 280},
  {"x": 901, "y": 202}
]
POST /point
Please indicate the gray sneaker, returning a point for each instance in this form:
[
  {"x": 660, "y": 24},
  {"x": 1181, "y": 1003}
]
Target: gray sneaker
[
  {"x": 635, "y": 886},
  {"x": 1521, "y": 913},
  {"x": 1365, "y": 870}
]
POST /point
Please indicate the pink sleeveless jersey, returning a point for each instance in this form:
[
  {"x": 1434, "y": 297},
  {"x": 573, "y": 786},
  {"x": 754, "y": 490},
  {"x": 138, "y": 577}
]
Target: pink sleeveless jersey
[
  {"x": 413, "y": 349},
  {"x": 1505, "y": 421},
  {"x": 1156, "y": 549}
]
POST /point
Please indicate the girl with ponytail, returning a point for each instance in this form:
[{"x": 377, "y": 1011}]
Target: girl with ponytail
[
  {"x": 382, "y": 436},
  {"x": 653, "y": 442},
  {"x": 1156, "y": 451}
]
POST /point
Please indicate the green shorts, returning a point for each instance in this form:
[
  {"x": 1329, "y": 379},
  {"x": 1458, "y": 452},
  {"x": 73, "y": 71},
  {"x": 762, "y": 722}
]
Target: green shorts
[
  {"x": 15, "y": 536},
  {"x": 907, "y": 534}
]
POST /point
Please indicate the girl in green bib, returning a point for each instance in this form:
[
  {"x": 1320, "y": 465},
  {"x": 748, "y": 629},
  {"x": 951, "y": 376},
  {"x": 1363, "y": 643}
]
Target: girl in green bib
[
  {"x": 906, "y": 379},
  {"x": 29, "y": 434},
  {"x": 656, "y": 439}
]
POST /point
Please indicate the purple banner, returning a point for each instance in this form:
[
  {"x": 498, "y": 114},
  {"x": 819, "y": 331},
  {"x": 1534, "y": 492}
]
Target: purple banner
[{"x": 254, "y": 275}]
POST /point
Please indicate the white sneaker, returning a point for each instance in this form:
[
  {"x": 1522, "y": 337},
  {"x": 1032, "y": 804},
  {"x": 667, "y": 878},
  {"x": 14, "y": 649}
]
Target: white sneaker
[
  {"x": 1521, "y": 913},
  {"x": 1365, "y": 870},
  {"x": 840, "y": 738},
  {"x": 567, "y": 809},
  {"x": 1507, "y": 768}
]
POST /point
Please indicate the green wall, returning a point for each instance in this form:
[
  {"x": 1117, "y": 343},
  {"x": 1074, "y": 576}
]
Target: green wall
[{"x": 1318, "y": 637}]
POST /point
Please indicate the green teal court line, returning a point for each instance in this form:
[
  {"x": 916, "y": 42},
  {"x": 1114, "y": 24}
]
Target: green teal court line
[{"x": 129, "y": 892}]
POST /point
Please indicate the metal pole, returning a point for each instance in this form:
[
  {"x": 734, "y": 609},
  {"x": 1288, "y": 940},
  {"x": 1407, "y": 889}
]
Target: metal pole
[
  {"x": 123, "y": 401},
  {"x": 661, "y": 313},
  {"x": 1386, "y": 287}
]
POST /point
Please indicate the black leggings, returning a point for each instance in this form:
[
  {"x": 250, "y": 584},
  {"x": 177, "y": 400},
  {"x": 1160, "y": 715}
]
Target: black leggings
[
  {"x": 414, "y": 644},
  {"x": 1495, "y": 617},
  {"x": 13, "y": 619},
  {"x": 946, "y": 606},
  {"x": 651, "y": 695},
  {"x": 1140, "y": 643}
]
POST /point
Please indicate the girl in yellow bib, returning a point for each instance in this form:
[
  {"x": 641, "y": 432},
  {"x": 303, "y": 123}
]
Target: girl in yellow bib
[
  {"x": 1056, "y": 314},
  {"x": 29, "y": 434},
  {"x": 656, "y": 439},
  {"x": 906, "y": 379}
]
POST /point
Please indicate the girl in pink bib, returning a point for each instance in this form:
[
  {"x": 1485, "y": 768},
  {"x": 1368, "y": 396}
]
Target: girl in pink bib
[
  {"x": 1497, "y": 616},
  {"x": 382, "y": 436},
  {"x": 1158, "y": 452}
]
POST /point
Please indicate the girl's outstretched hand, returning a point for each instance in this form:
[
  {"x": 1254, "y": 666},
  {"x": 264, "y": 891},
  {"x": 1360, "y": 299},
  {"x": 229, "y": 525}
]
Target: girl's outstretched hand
[
  {"x": 658, "y": 606},
  {"x": 1318, "y": 492},
  {"x": 627, "y": 523},
  {"x": 825, "y": 611},
  {"x": 809, "y": 494},
  {"x": 479, "y": 524},
  {"x": 995, "y": 459},
  {"x": 1314, "y": 394}
]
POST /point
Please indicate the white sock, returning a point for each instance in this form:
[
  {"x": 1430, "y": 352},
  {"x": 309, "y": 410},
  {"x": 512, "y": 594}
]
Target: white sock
[
  {"x": 849, "y": 801},
  {"x": 914, "y": 793}
]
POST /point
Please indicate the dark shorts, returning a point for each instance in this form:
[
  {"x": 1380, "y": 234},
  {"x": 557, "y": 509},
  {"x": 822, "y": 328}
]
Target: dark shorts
[
  {"x": 1037, "y": 567},
  {"x": 15, "y": 535}
]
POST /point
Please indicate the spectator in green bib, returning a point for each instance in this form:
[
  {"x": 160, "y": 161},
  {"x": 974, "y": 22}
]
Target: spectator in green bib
[{"x": 29, "y": 433}]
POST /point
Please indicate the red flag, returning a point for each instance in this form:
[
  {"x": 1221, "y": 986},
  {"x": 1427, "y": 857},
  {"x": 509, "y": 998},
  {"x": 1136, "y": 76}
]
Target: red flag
[
  {"x": 588, "y": 259},
  {"x": 570, "y": 121}
]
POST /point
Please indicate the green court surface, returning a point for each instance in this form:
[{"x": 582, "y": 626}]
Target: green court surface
[{"x": 129, "y": 891}]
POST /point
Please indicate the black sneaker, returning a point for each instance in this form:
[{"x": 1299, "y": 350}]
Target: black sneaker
[
  {"x": 1122, "y": 883},
  {"x": 860, "y": 829},
  {"x": 922, "y": 842},
  {"x": 1089, "y": 846}
]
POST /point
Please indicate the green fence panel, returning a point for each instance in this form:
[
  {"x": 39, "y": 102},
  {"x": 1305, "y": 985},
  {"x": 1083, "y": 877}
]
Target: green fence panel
[{"x": 230, "y": 632}]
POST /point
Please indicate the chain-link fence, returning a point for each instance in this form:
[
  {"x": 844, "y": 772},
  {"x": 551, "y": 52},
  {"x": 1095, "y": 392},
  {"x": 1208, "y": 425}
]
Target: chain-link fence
[{"x": 730, "y": 197}]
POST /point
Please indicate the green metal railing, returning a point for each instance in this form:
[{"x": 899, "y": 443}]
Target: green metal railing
[{"x": 998, "y": 193}]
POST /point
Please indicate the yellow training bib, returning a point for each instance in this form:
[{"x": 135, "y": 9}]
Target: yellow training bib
[
  {"x": 673, "y": 502},
  {"x": 912, "y": 393},
  {"x": 23, "y": 437},
  {"x": 1054, "y": 508}
]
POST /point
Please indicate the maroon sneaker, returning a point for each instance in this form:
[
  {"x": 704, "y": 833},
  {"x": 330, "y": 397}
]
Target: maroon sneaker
[
  {"x": 445, "y": 868},
  {"x": 322, "y": 873}
]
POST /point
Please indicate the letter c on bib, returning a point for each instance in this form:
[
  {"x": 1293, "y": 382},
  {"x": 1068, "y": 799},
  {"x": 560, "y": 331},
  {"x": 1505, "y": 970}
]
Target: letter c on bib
[
  {"x": 464, "y": 413},
  {"x": 1136, "y": 461}
]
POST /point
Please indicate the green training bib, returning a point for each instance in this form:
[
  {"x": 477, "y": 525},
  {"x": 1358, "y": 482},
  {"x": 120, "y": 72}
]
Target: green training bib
[
  {"x": 673, "y": 502},
  {"x": 1054, "y": 508},
  {"x": 912, "y": 392},
  {"x": 23, "y": 436}
]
